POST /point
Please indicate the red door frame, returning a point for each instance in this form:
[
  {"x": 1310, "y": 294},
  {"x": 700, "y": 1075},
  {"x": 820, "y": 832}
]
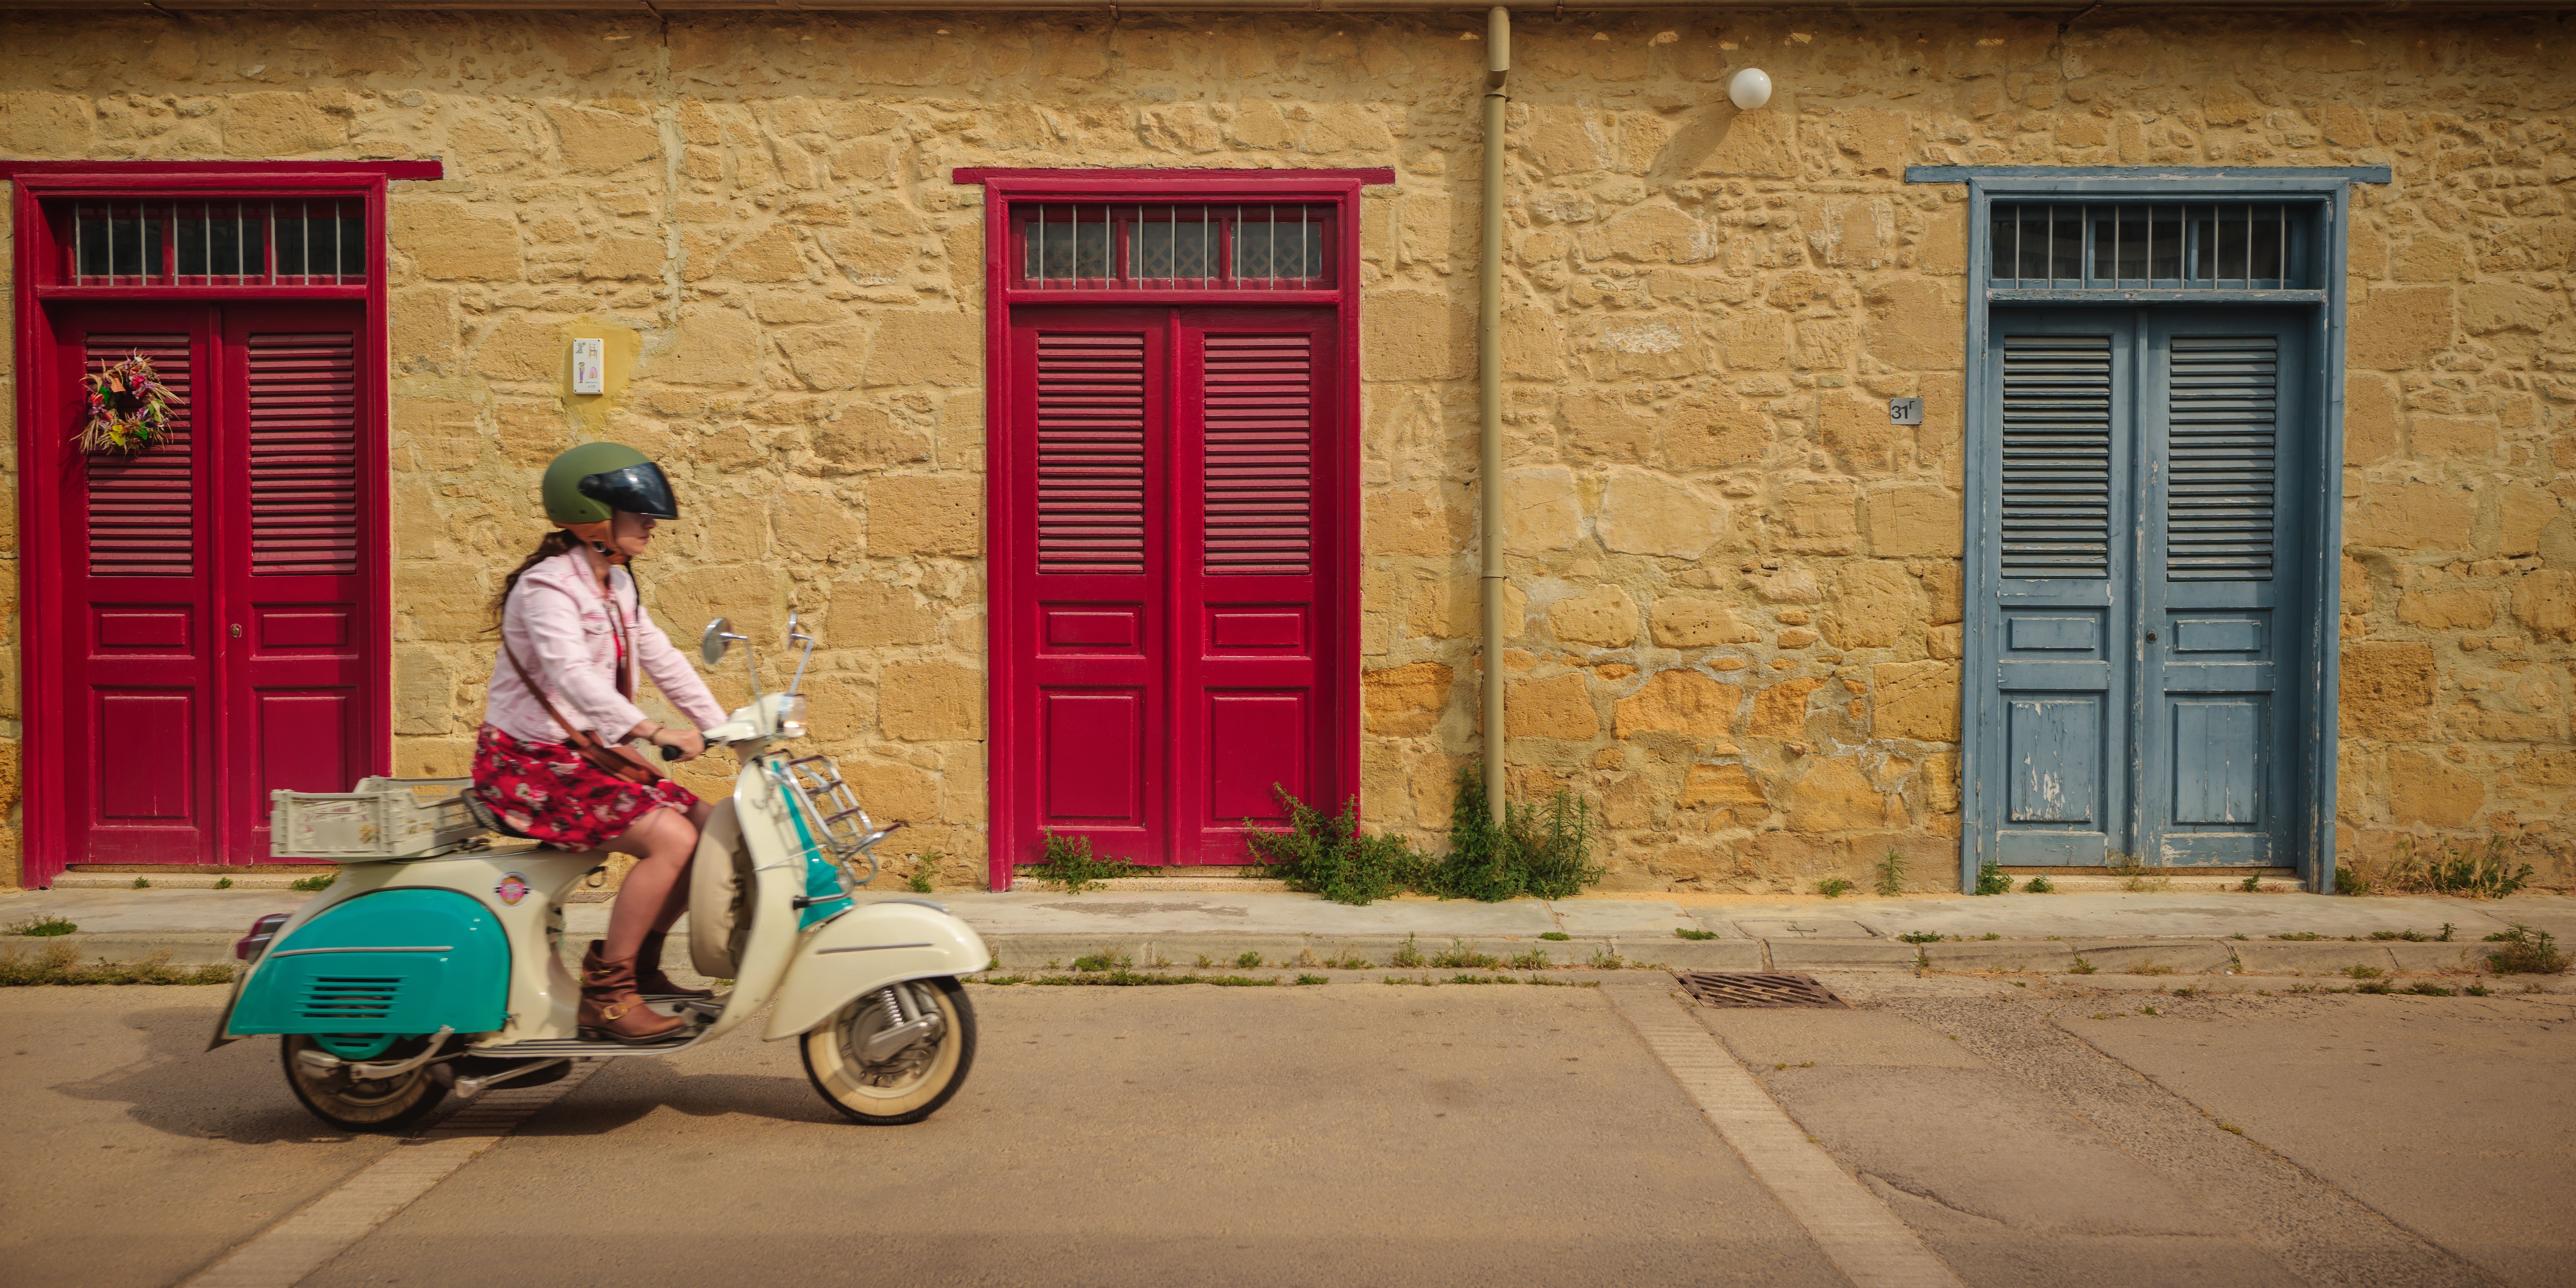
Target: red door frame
[
  {"x": 1003, "y": 188},
  {"x": 37, "y": 260}
]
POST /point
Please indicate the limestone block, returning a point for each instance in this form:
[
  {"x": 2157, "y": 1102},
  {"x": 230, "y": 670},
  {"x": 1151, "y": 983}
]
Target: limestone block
[
  {"x": 1730, "y": 787},
  {"x": 2425, "y": 789},
  {"x": 2545, "y": 602},
  {"x": 2370, "y": 418},
  {"x": 1642, "y": 348},
  {"x": 532, "y": 433},
  {"x": 1600, "y": 425},
  {"x": 1656, "y": 232},
  {"x": 1720, "y": 142},
  {"x": 931, "y": 701},
  {"x": 1716, "y": 433},
  {"x": 1874, "y": 605},
  {"x": 2448, "y": 438},
  {"x": 1540, "y": 510},
  {"x": 1755, "y": 342},
  {"x": 523, "y": 348},
  {"x": 1780, "y": 711},
  {"x": 867, "y": 258},
  {"x": 1678, "y": 701},
  {"x": 1857, "y": 432},
  {"x": 1835, "y": 796},
  {"x": 925, "y": 514},
  {"x": 1604, "y": 617},
  {"x": 1418, "y": 519},
  {"x": 2387, "y": 689},
  {"x": 2395, "y": 328},
  {"x": 1415, "y": 335},
  {"x": 866, "y": 438},
  {"x": 2489, "y": 307},
  {"x": 893, "y": 791},
  {"x": 594, "y": 142},
  {"x": 617, "y": 258},
  {"x": 2410, "y": 516},
  {"x": 713, "y": 345},
  {"x": 1916, "y": 700},
  {"x": 2523, "y": 513},
  {"x": 273, "y": 123},
  {"x": 1817, "y": 516},
  {"x": 827, "y": 357},
  {"x": 1652, "y": 514},
  {"x": 1915, "y": 519},
  {"x": 1560, "y": 707},
  {"x": 45, "y": 125},
  {"x": 773, "y": 254},
  {"x": 927, "y": 348},
  {"x": 818, "y": 526},
  {"x": 2444, "y": 610},
  {"x": 1404, "y": 701},
  {"x": 424, "y": 690},
  {"x": 1915, "y": 324},
  {"x": 1787, "y": 586},
  {"x": 453, "y": 241},
  {"x": 1682, "y": 622}
]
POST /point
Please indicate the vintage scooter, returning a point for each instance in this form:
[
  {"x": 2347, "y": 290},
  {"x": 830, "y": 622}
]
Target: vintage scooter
[{"x": 413, "y": 977}]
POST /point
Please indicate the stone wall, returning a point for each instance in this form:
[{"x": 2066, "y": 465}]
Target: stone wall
[{"x": 1737, "y": 588}]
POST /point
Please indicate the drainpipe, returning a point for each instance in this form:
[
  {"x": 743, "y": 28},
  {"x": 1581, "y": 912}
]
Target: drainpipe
[{"x": 1489, "y": 394}]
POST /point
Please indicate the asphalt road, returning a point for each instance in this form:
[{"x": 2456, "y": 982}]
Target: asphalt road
[{"x": 1357, "y": 1133}]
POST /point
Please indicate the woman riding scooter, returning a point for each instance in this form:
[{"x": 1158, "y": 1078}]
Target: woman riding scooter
[{"x": 549, "y": 761}]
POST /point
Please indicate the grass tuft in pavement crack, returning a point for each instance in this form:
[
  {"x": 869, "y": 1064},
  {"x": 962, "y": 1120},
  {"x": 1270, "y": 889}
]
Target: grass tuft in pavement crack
[
  {"x": 2525, "y": 951},
  {"x": 60, "y": 964},
  {"x": 41, "y": 927},
  {"x": 1685, "y": 932},
  {"x": 321, "y": 881}
]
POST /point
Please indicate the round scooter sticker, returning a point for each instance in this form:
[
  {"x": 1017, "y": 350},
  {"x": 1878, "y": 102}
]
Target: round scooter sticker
[{"x": 512, "y": 889}]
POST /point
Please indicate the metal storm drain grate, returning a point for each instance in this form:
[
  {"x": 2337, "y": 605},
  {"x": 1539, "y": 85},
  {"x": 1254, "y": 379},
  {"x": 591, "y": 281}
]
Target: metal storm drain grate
[{"x": 1754, "y": 988}]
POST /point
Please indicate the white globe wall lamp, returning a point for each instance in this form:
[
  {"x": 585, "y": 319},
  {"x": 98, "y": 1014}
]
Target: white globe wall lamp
[{"x": 1749, "y": 89}]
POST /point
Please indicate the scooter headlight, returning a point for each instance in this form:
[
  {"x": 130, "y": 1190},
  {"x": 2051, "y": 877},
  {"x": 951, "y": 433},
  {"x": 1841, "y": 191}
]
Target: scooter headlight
[{"x": 791, "y": 717}]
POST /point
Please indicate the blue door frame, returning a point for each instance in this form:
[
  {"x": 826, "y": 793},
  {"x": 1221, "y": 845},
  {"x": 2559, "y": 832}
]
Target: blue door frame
[{"x": 2316, "y": 542}]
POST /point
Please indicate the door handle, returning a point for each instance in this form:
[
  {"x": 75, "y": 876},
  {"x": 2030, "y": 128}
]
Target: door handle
[
  {"x": 237, "y": 631},
  {"x": 2151, "y": 635}
]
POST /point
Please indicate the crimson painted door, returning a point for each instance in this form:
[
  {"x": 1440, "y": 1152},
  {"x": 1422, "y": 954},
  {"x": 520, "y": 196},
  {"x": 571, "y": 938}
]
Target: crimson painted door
[
  {"x": 1173, "y": 616},
  {"x": 211, "y": 588}
]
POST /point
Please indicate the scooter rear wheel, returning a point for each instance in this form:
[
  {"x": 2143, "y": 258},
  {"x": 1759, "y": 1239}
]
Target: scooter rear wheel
[
  {"x": 909, "y": 1085},
  {"x": 362, "y": 1104}
]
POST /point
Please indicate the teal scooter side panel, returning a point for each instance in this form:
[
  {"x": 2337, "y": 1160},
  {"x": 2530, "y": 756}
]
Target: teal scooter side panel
[{"x": 394, "y": 961}]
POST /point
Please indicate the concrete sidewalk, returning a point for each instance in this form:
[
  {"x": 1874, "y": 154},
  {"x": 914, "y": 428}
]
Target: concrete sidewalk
[{"x": 2153, "y": 933}]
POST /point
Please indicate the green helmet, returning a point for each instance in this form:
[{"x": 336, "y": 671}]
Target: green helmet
[{"x": 594, "y": 480}]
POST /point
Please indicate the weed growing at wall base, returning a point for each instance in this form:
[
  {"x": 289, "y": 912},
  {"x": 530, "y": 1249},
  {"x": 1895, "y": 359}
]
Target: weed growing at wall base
[
  {"x": 1069, "y": 863},
  {"x": 60, "y": 964},
  {"x": 1991, "y": 878},
  {"x": 1330, "y": 856},
  {"x": 2525, "y": 951},
  {"x": 1543, "y": 850},
  {"x": 1891, "y": 874}
]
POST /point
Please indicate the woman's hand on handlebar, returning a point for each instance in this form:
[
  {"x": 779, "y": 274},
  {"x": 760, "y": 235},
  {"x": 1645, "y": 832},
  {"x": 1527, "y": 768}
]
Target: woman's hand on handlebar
[{"x": 686, "y": 742}]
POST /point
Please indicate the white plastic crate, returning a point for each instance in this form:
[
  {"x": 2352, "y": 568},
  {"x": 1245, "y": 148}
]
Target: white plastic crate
[{"x": 385, "y": 818}]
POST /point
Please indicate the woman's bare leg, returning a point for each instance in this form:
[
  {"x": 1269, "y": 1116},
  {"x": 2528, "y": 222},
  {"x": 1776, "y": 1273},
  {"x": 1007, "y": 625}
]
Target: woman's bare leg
[
  {"x": 662, "y": 842},
  {"x": 677, "y": 901}
]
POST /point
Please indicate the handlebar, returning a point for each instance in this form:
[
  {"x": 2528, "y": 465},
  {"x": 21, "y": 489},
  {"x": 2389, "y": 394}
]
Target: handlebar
[{"x": 670, "y": 753}]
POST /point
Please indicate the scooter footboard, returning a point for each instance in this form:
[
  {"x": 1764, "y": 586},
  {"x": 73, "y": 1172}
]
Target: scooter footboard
[{"x": 865, "y": 949}]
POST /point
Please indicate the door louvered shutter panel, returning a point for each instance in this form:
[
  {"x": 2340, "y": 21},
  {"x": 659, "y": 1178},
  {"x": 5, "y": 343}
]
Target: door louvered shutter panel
[
  {"x": 2221, "y": 414},
  {"x": 303, "y": 454},
  {"x": 142, "y": 512},
  {"x": 1091, "y": 453},
  {"x": 2057, "y": 456},
  {"x": 1260, "y": 429}
]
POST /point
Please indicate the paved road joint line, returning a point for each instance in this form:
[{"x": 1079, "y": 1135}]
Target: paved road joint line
[
  {"x": 1856, "y": 1232},
  {"x": 283, "y": 1254}
]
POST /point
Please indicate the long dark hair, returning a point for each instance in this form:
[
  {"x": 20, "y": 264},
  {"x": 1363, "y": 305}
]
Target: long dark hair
[{"x": 553, "y": 543}]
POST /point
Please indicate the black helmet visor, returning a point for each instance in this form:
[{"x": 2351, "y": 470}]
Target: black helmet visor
[{"x": 640, "y": 489}]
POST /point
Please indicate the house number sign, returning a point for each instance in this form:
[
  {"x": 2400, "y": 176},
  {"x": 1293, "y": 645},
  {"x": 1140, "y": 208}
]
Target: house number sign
[{"x": 1905, "y": 411}]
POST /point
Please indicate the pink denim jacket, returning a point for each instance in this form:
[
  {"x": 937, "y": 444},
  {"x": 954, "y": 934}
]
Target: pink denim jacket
[{"x": 556, "y": 620}]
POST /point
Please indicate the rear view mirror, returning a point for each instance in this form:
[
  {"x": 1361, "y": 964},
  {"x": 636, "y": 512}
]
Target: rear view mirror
[{"x": 718, "y": 638}]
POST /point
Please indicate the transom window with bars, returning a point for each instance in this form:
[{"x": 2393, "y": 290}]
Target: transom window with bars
[
  {"x": 2153, "y": 246},
  {"x": 293, "y": 242},
  {"x": 1080, "y": 246}
]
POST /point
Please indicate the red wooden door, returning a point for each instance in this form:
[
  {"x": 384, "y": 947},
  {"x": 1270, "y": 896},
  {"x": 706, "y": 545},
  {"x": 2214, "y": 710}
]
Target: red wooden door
[
  {"x": 1173, "y": 604},
  {"x": 212, "y": 590},
  {"x": 137, "y": 627},
  {"x": 1250, "y": 566},
  {"x": 294, "y": 711}
]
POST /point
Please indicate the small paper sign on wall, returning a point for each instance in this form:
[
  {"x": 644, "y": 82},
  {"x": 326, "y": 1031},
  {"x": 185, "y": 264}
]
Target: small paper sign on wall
[
  {"x": 1905, "y": 411},
  {"x": 587, "y": 361}
]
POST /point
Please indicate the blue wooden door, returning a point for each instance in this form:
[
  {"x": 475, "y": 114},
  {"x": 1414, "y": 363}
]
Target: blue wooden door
[
  {"x": 2144, "y": 598},
  {"x": 2221, "y": 603}
]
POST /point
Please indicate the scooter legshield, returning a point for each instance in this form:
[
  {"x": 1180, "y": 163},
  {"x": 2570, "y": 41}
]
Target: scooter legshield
[{"x": 397, "y": 962}]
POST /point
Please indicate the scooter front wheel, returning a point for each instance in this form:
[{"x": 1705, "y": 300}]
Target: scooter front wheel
[
  {"x": 361, "y": 1104},
  {"x": 899, "y": 1087}
]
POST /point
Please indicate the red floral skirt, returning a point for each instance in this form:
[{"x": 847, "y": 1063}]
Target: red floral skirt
[{"x": 546, "y": 792}]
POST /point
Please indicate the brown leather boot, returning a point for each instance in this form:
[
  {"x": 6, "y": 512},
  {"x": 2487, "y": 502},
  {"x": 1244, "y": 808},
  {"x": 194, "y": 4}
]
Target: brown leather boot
[
  {"x": 649, "y": 979},
  {"x": 611, "y": 1010}
]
